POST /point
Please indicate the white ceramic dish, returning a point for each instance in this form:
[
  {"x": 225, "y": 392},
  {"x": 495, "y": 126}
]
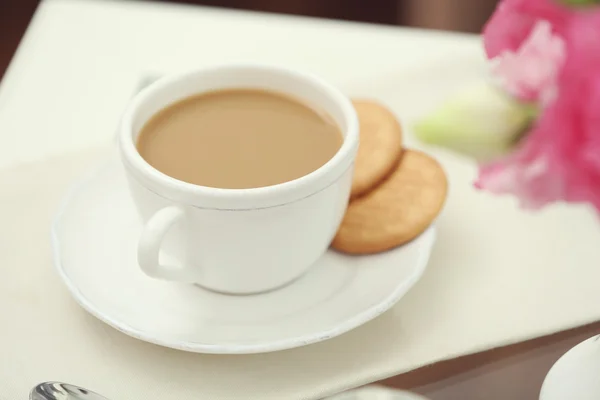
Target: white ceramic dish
[
  {"x": 94, "y": 241},
  {"x": 241, "y": 241},
  {"x": 376, "y": 393}
]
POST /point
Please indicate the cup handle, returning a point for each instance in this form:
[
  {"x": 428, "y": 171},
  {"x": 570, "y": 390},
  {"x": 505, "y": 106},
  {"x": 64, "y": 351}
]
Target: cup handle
[{"x": 149, "y": 246}]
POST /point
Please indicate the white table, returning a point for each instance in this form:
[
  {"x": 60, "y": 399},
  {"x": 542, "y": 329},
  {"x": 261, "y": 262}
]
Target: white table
[{"x": 498, "y": 276}]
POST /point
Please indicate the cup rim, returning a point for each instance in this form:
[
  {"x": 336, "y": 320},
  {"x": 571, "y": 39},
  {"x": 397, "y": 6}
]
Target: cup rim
[{"x": 133, "y": 159}]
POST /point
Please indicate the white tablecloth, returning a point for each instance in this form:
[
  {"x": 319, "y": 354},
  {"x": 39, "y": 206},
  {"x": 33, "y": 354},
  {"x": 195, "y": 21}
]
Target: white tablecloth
[{"x": 497, "y": 275}]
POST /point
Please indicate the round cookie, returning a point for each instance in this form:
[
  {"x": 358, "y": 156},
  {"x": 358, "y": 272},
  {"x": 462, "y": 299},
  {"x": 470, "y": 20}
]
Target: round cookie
[
  {"x": 380, "y": 145},
  {"x": 398, "y": 210}
]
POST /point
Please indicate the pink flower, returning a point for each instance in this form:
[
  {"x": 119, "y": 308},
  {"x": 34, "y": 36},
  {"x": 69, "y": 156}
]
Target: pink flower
[
  {"x": 559, "y": 160},
  {"x": 513, "y": 21},
  {"x": 530, "y": 72}
]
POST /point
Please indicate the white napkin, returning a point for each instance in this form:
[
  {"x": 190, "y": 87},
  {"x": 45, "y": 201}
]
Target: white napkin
[{"x": 497, "y": 276}]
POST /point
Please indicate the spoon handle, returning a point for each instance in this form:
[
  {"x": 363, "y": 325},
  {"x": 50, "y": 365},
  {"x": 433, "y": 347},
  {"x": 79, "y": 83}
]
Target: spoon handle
[{"x": 62, "y": 391}]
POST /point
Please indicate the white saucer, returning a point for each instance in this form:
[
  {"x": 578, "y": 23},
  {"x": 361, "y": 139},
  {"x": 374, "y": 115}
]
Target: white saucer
[{"x": 94, "y": 240}]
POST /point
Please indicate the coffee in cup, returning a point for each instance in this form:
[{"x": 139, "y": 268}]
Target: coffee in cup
[{"x": 239, "y": 139}]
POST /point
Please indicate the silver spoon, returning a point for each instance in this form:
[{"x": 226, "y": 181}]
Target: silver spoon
[{"x": 62, "y": 391}]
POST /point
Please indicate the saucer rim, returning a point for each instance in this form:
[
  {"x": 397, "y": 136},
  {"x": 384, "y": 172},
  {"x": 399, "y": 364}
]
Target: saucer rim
[{"x": 428, "y": 236}]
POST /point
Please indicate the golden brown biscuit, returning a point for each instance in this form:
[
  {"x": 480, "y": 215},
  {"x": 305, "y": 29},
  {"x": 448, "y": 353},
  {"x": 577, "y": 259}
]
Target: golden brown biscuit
[
  {"x": 380, "y": 145},
  {"x": 398, "y": 210}
]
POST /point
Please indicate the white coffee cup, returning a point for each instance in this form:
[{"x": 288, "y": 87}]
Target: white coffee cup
[{"x": 237, "y": 240}]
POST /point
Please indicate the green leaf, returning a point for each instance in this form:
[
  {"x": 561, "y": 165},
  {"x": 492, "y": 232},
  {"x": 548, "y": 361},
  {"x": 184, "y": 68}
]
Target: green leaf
[
  {"x": 481, "y": 121},
  {"x": 579, "y": 3}
]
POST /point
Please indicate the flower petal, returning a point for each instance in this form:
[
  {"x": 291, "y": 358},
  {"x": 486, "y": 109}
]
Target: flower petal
[
  {"x": 530, "y": 73},
  {"x": 512, "y": 22}
]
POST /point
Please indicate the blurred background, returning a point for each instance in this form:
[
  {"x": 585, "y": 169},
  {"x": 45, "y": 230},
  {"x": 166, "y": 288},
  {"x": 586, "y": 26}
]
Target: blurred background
[{"x": 454, "y": 15}]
